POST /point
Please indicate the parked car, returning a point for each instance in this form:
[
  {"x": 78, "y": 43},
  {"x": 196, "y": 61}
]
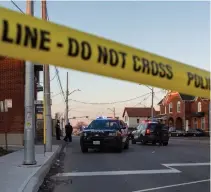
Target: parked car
[
  {"x": 195, "y": 133},
  {"x": 146, "y": 133},
  {"x": 177, "y": 133}
]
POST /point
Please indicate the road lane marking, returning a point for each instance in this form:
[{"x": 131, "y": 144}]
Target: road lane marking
[
  {"x": 109, "y": 173},
  {"x": 169, "y": 169},
  {"x": 185, "y": 164},
  {"x": 175, "y": 185}
]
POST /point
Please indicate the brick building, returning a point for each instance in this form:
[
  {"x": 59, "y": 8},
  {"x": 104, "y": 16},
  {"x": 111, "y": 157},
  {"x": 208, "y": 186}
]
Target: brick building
[
  {"x": 12, "y": 81},
  {"x": 184, "y": 111}
]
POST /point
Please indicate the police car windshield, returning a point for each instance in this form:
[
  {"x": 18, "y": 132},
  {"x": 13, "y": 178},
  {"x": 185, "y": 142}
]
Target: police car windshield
[{"x": 103, "y": 124}]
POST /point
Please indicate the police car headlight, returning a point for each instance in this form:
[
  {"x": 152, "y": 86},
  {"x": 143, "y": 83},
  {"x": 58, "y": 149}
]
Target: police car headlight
[{"x": 112, "y": 134}]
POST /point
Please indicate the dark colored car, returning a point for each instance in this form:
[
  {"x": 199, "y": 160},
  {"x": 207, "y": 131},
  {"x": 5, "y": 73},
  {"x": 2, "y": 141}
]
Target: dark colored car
[
  {"x": 195, "y": 133},
  {"x": 177, "y": 133},
  {"x": 146, "y": 133},
  {"x": 105, "y": 133}
]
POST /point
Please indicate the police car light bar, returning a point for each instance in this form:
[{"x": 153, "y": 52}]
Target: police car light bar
[{"x": 101, "y": 117}]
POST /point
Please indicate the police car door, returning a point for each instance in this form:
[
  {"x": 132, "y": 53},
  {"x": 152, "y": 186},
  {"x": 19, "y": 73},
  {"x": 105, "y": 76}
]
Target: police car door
[{"x": 123, "y": 131}]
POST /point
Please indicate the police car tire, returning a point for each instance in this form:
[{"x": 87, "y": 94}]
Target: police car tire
[
  {"x": 133, "y": 141},
  {"x": 119, "y": 149},
  {"x": 126, "y": 145},
  {"x": 84, "y": 149}
]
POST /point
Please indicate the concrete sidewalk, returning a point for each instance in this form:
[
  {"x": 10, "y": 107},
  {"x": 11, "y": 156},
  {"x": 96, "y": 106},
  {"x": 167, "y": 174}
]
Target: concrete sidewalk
[{"x": 15, "y": 177}]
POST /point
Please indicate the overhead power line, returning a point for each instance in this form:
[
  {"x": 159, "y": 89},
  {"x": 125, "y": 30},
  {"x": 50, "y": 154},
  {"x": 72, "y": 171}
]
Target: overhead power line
[
  {"x": 17, "y": 6},
  {"x": 114, "y": 102}
]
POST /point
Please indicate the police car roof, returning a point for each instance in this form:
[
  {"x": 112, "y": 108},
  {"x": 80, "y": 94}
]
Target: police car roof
[{"x": 105, "y": 118}]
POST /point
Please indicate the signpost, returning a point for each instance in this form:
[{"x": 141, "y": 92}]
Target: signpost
[{"x": 4, "y": 106}]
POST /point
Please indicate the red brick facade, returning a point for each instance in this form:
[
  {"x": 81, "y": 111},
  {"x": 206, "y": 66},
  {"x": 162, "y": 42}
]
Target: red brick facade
[
  {"x": 185, "y": 112},
  {"x": 12, "y": 87}
]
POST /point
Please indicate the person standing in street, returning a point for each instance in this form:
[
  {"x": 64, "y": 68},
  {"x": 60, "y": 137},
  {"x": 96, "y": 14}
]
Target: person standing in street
[
  {"x": 68, "y": 132},
  {"x": 57, "y": 131}
]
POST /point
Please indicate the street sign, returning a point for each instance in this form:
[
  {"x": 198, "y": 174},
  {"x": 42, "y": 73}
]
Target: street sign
[
  {"x": 38, "y": 102},
  {"x": 5, "y": 106},
  {"x": 8, "y": 103},
  {"x": 1, "y": 106}
]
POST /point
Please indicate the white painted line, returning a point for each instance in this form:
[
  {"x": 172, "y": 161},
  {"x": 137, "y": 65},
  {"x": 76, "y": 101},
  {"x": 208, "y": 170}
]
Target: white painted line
[
  {"x": 106, "y": 173},
  {"x": 185, "y": 164},
  {"x": 175, "y": 185},
  {"x": 169, "y": 169}
]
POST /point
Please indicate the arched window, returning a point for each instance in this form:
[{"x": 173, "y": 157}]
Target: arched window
[
  {"x": 170, "y": 108},
  {"x": 199, "y": 106},
  {"x": 178, "y": 107}
]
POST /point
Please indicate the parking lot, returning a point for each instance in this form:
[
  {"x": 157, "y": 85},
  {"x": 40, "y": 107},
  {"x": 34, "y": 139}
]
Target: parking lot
[{"x": 181, "y": 166}]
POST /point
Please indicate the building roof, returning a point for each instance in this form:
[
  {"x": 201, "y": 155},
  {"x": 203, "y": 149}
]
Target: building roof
[
  {"x": 187, "y": 97},
  {"x": 138, "y": 111},
  {"x": 184, "y": 97}
]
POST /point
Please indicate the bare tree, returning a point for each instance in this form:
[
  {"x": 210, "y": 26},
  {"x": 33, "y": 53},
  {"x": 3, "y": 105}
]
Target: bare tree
[{"x": 79, "y": 124}]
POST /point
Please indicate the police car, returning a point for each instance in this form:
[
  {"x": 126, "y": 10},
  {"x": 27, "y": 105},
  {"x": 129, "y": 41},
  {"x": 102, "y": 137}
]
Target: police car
[{"x": 105, "y": 133}]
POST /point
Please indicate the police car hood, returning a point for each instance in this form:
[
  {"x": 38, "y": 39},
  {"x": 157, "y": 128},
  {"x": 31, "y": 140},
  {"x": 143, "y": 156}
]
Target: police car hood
[{"x": 99, "y": 130}]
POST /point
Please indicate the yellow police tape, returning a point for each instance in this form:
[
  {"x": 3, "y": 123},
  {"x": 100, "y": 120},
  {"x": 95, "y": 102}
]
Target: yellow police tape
[{"x": 29, "y": 38}]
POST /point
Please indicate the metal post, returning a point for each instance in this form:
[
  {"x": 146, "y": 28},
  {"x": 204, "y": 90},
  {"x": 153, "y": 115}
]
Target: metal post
[
  {"x": 67, "y": 110},
  {"x": 48, "y": 119},
  {"x": 114, "y": 113},
  {"x": 152, "y": 109},
  {"x": 29, "y": 126}
]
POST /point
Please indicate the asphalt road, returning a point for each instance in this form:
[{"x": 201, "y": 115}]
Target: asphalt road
[{"x": 179, "y": 167}]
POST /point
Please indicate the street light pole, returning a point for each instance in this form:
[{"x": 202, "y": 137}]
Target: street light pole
[
  {"x": 152, "y": 108},
  {"x": 67, "y": 99},
  {"x": 67, "y": 110},
  {"x": 29, "y": 126},
  {"x": 47, "y": 96}
]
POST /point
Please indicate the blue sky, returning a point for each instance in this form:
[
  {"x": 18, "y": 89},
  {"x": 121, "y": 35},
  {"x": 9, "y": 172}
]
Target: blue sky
[{"x": 177, "y": 30}]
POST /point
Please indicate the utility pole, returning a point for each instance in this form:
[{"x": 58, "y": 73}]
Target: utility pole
[
  {"x": 152, "y": 108},
  {"x": 152, "y": 102},
  {"x": 47, "y": 96},
  {"x": 67, "y": 110},
  {"x": 114, "y": 111},
  {"x": 29, "y": 126}
]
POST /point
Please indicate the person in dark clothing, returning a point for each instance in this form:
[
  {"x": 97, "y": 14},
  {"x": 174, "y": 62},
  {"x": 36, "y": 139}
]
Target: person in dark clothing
[
  {"x": 57, "y": 131},
  {"x": 68, "y": 132},
  {"x": 159, "y": 133}
]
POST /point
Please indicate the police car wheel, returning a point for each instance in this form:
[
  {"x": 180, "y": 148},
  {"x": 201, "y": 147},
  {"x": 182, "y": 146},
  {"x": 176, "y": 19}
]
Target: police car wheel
[
  {"x": 126, "y": 145},
  {"x": 133, "y": 141},
  {"x": 84, "y": 149},
  {"x": 119, "y": 149}
]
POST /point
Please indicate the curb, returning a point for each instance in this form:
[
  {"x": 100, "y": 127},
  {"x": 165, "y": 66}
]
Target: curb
[
  {"x": 203, "y": 141},
  {"x": 37, "y": 178}
]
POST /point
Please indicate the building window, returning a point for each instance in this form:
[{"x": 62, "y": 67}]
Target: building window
[
  {"x": 178, "y": 107},
  {"x": 137, "y": 120},
  {"x": 170, "y": 108},
  {"x": 125, "y": 118},
  {"x": 199, "y": 106},
  {"x": 202, "y": 123}
]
